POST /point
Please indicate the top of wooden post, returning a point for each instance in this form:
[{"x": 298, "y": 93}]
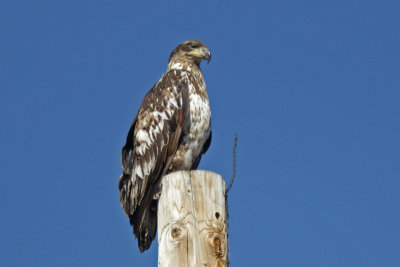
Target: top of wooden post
[{"x": 192, "y": 222}]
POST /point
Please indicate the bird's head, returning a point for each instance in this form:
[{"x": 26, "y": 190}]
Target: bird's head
[{"x": 191, "y": 50}]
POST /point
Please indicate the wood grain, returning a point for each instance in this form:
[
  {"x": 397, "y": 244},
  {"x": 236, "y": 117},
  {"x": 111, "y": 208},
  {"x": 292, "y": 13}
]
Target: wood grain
[{"x": 192, "y": 222}]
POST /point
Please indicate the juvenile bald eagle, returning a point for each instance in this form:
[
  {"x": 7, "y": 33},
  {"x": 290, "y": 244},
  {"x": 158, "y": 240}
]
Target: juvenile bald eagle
[{"x": 171, "y": 131}]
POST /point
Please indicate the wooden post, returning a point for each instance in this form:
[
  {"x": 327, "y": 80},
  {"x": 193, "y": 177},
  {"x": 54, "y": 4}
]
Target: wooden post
[{"x": 192, "y": 222}]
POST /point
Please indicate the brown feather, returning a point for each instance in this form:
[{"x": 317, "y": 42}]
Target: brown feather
[{"x": 136, "y": 193}]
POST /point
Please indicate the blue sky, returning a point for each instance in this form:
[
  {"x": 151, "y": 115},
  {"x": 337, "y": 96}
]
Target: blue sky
[{"x": 311, "y": 87}]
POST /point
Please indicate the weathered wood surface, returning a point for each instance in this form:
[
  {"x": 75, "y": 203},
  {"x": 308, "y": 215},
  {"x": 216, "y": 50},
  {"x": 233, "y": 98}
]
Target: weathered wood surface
[{"x": 192, "y": 223}]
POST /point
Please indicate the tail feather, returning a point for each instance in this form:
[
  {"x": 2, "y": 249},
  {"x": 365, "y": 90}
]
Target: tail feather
[
  {"x": 142, "y": 217},
  {"x": 146, "y": 232}
]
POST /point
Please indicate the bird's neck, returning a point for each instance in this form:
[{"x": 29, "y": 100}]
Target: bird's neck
[
  {"x": 194, "y": 69},
  {"x": 183, "y": 64}
]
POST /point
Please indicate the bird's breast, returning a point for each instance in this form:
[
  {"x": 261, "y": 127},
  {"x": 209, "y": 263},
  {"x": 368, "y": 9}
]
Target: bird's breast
[{"x": 196, "y": 129}]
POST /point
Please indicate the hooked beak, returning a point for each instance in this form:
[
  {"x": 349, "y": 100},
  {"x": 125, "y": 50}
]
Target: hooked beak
[
  {"x": 201, "y": 53},
  {"x": 207, "y": 55}
]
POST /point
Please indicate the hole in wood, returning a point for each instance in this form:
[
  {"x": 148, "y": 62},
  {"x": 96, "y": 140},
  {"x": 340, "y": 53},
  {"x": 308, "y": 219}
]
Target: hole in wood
[{"x": 217, "y": 215}]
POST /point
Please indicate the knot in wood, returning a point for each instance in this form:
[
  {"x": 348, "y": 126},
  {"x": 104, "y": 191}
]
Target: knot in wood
[
  {"x": 215, "y": 234},
  {"x": 216, "y": 244},
  {"x": 177, "y": 232}
]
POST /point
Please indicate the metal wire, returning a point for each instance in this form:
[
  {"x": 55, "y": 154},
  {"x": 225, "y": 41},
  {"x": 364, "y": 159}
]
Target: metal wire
[{"x": 233, "y": 164}]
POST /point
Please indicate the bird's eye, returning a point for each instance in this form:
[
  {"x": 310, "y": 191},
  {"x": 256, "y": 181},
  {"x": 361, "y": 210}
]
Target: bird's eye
[{"x": 193, "y": 46}]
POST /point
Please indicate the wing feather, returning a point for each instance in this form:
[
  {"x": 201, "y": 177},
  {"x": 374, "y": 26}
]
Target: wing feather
[{"x": 151, "y": 144}]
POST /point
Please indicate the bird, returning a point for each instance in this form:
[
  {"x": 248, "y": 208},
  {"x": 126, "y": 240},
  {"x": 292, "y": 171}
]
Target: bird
[{"x": 171, "y": 132}]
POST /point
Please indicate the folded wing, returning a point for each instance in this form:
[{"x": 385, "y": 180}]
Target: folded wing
[{"x": 150, "y": 146}]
